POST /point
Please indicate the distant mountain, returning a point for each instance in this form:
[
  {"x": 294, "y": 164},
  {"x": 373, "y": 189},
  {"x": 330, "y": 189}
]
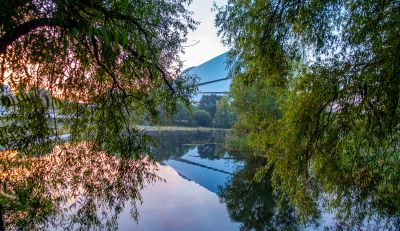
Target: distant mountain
[{"x": 211, "y": 70}]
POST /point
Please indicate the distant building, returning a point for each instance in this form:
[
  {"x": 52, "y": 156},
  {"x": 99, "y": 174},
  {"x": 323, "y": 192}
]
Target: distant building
[{"x": 212, "y": 77}]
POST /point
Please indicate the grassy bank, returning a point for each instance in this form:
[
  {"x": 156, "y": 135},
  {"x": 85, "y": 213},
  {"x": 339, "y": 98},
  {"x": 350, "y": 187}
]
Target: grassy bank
[{"x": 173, "y": 128}]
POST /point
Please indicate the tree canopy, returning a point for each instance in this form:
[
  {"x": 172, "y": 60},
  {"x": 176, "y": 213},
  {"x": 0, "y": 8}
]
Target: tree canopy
[
  {"x": 202, "y": 118},
  {"x": 333, "y": 67},
  {"x": 83, "y": 67},
  {"x": 105, "y": 59},
  {"x": 224, "y": 117},
  {"x": 208, "y": 103}
]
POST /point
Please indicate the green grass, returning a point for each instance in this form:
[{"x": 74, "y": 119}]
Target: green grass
[{"x": 172, "y": 128}]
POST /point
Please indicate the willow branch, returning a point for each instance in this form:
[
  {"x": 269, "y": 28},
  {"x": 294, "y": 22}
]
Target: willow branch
[{"x": 25, "y": 28}]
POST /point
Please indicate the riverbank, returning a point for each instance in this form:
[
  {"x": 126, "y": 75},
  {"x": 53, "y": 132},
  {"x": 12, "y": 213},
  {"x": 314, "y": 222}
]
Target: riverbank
[
  {"x": 172, "y": 128},
  {"x": 63, "y": 134}
]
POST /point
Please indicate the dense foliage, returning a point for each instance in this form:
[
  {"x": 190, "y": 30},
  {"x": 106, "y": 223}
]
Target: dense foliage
[
  {"x": 329, "y": 123},
  {"x": 202, "y": 118},
  {"x": 106, "y": 59},
  {"x": 208, "y": 103},
  {"x": 83, "y": 67},
  {"x": 224, "y": 117},
  {"x": 198, "y": 114}
]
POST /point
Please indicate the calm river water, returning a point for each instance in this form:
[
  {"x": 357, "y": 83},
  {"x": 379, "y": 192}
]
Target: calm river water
[
  {"x": 205, "y": 189},
  {"x": 192, "y": 183}
]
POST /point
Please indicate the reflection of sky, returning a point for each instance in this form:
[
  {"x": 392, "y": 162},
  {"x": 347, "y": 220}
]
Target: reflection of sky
[{"x": 178, "y": 204}]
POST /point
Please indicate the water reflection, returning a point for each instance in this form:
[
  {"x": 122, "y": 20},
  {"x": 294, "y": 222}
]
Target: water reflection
[
  {"x": 75, "y": 186},
  {"x": 194, "y": 184},
  {"x": 179, "y": 205},
  {"x": 197, "y": 156},
  {"x": 257, "y": 206},
  {"x": 254, "y": 204},
  {"x": 175, "y": 144},
  {"x": 81, "y": 187}
]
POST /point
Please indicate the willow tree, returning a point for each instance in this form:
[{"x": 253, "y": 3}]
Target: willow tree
[
  {"x": 334, "y": 66},
  {"x": 102, "y": 59},
  {"x": 95, "y": 62}
]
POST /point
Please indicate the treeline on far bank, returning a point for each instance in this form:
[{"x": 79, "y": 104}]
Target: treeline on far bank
[{"x": 211, "y": 111}]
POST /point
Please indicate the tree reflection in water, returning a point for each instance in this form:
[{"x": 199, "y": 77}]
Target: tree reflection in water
[
  {"x": 76, "y": 185},
  {"x": 253, "y": 203},
  {"x": 175, "y": 144},
  {"x": 257, "y": 206}
]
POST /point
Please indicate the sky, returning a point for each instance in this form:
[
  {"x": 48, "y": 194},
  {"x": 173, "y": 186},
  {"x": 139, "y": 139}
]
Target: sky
[{"x": 209, "y": 44}]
